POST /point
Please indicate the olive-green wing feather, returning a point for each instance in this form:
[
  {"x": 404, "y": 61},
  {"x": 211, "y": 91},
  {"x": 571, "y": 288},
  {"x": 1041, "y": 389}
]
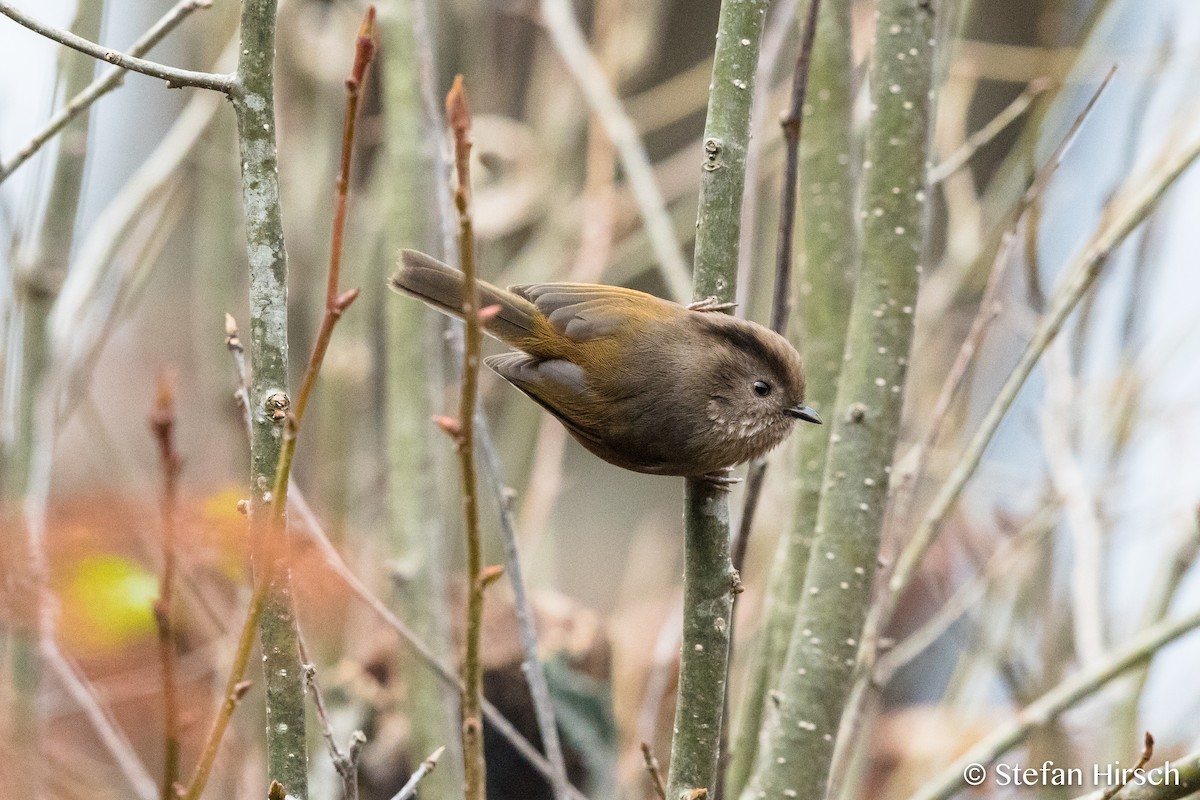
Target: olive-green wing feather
[{"x": 584, "y": 312}]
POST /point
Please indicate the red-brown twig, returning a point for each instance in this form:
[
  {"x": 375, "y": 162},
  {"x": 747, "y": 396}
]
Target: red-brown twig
[
  {"x": 162, "y": 423},
  {"x": 336, "y": 303},
  {"x": 652, "y": 769},
  {"x": 1128, "y": 775},
  {"x": 458, "y": 116}
]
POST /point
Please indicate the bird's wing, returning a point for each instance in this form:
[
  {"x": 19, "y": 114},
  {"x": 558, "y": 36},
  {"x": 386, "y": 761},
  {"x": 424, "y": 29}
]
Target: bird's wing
[
  {"x": 556, "y": 385},
  {"x": 584, "y": 312}
]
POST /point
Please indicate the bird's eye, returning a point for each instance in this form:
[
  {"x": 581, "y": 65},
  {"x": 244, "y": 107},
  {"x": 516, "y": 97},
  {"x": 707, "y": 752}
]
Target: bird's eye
[{"x": 762, "y": 388}]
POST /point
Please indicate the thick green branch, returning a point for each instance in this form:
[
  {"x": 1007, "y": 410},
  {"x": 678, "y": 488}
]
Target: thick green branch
[
  {"x": 822, "y": 293},
  {"x": 818, "y": 672}
]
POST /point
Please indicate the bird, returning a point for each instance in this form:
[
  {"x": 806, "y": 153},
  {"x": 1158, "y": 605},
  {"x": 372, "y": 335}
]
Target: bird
[{"x": 641, "y": 382}]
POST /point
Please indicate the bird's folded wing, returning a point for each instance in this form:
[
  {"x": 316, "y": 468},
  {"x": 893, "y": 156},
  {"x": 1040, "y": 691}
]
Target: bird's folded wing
[
  {"x": 556, "y": 385},
  {"x": 584, "y": 312}
]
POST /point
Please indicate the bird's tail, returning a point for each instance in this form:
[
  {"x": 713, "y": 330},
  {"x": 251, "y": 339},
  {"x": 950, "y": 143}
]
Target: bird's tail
[{"x": 441, "y": 286}]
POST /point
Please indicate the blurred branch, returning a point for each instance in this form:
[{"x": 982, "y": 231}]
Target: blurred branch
[
  {"x": 652, "y": 770},
  {"x": 997, "y": 125},
  {"x": 709, "y": 579},
  {"x": 174, "y": 77},
  {"x": 1054, "y": 702},
  {"x": 560, "y": 22},
  {"x": 162, "y": 423},
  {"x": 1079, "y": 502},
  {"x": 110, "y": 80},
  {"x": 818, "y": 672},
  {"x": 1136, "y": 200},
  {"x": 412, "y": 382}
]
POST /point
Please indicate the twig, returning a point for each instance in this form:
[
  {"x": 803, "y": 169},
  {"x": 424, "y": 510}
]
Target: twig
[
  {"x": 792, "y": 124},
  {"x": 1179, "y": 783},
  {"x": 162, "y": 423},
  {"x": 458, "y": 117},
  {"x": 346, "y": 763},
  {"x": 242, "y": 379},
  {"x": 531, "y": 666},
  {"x": 976, "y": 141},
  {"x": 110, "y": 80},
  {"x": 559, "y": 20},
  {"x": 174, "y": 77},
  {"x": 1054, "y": 702},
  {"x": 1128, "y": 775},
  {"x": 409, "y": 790},
  {"x": 652, "y": 769}
]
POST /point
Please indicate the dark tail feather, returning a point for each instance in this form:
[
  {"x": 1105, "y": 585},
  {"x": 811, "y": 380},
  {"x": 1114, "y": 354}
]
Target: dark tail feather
[{"x": 441, "y": 286}]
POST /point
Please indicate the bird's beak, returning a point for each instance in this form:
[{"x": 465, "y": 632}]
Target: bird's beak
[{"x": 805, "y": 413}]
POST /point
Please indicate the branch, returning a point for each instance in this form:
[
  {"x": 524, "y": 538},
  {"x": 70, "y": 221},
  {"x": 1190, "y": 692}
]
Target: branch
[
  {"x": 709, "y": 578},
  {"x": 174, "y": 77},
  {"x": 818, "y": 673},
  {"x": 110, "y": 80},
  {"x": 1054, "y": 702}
]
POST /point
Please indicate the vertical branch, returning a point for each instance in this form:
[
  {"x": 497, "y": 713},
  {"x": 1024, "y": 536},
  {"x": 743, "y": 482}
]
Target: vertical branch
[
  {"x": 817, "y": 676},
  {"x": 709, "y": 578},
  {"x": 458, "y": 116},
  {"x": 414, "y": 174},
  {"x": 162, "y": 423},
  {"x": 254, "y": 104},
  {"x": 822, "y": 293}
]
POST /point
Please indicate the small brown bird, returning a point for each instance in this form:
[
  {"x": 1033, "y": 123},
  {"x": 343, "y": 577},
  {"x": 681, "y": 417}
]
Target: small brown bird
[{"x": 642, "y": 382}]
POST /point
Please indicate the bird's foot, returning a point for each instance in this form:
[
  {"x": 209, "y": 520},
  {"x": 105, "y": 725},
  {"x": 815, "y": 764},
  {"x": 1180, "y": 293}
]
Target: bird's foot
[
  {"x": 721, "y": 479},
  {"x": 711, "y": 304}
]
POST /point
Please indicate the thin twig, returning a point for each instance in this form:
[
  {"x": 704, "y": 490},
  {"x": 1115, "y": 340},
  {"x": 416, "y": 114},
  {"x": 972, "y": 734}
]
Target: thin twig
[
  {"x": 559, "y": 19},
  {"x": 242, "y": 378},
  {"x": 174, "y": 77},
  {"x": 1054, "y": 702},
  {"x": 162, "y": 422},
  {"x": 652, "y": 769},
  {"x": 409, "y": 790},
  {"x": 980, "y": 138},
  {"x": 531, "y": 666},
  {"x": 111, "y": 79},
  {"x": 1128, "y": 775},
  {"x": 346, "y": 763},
  {"x": 458, "y": 117}
]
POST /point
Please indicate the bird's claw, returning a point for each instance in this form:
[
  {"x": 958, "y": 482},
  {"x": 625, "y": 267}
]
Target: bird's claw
[
  {"x": 721, "y": 479},
  {"x": 710, "y": 304}
]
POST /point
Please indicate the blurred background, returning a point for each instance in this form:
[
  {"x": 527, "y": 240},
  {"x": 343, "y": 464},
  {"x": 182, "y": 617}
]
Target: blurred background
[{"x": 1097, "y": 459}]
